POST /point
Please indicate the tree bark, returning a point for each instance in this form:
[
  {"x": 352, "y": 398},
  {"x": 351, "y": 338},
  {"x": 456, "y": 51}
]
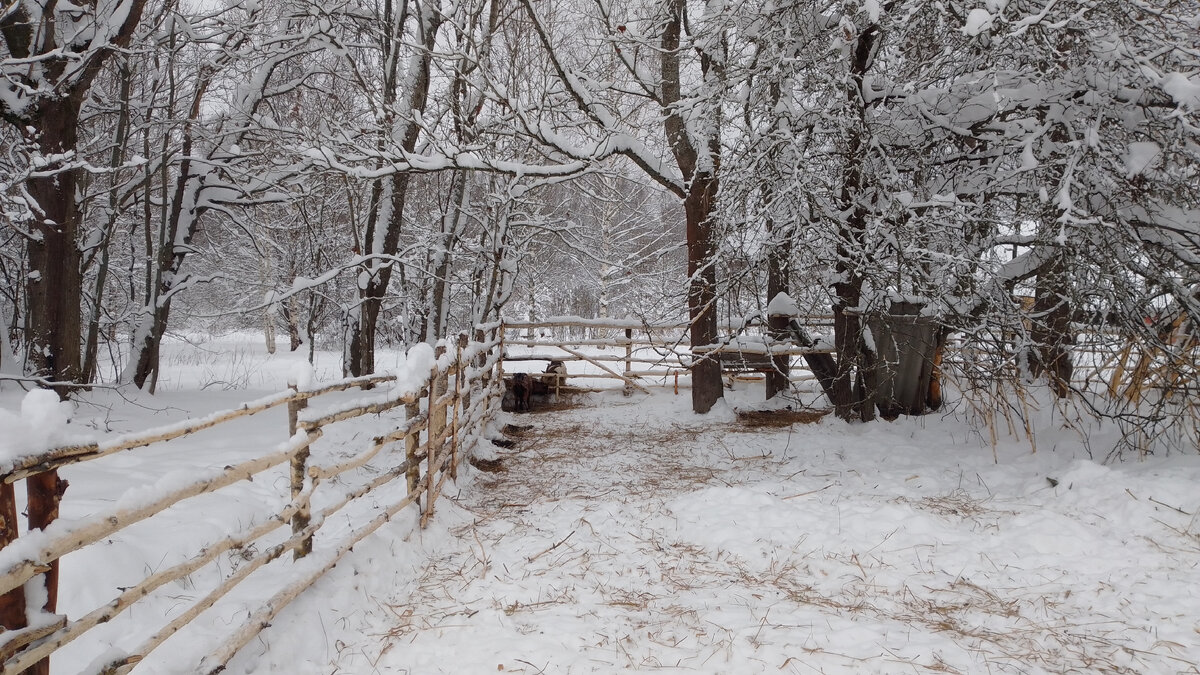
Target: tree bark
[
  {"x": 55, "y": 290},
  {"x": 698, "y": 204},
  {"x": 1051, "y": 330},
  {"x": 49, "y": 120},
  {"x": 702, "y": 295},
  {"x": 849, "y": 401}
]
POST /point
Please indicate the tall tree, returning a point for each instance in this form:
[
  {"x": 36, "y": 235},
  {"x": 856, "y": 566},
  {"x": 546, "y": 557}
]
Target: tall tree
[
  {"x": 409, "y": 29},
  {"x": 656, "y": 55},
  {"x": 52, "y": 54}
]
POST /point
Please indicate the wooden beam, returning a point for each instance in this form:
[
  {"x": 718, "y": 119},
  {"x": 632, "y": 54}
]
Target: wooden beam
[{"x": 601, "y": 366}]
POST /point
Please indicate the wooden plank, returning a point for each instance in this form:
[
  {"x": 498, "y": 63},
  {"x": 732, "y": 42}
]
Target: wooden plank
[{"x": 627, "y": 380}]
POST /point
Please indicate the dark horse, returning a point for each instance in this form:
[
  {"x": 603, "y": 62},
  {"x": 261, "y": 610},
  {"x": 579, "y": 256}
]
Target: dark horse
[{"x": 522, "y": 389}]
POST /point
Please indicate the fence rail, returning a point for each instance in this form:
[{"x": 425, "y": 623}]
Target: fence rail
[
  {"x": 647, "y": 350},
  {"x": 444, "y": 413}
]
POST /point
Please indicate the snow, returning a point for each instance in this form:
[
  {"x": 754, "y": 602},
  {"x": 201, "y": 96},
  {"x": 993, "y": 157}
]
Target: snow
[
  {"x": 673, "y": 541},
  {"x": 1143, "y": 157},
  {"x": 1185, "y": 90},
  {"x": 782, "y": 305},
  {"x": 978, "y": 21},
  {"x": 629, "y": 534},
  {"x": 40, "y": 425}
]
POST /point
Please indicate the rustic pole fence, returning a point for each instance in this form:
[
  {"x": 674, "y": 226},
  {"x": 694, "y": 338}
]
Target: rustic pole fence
[{"x": 453, "y": 418}]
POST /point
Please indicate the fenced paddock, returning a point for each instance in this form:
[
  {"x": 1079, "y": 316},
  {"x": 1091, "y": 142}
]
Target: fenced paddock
[
  {"x": 330, "y": 478},
  {"x": 1114, "y": 369},
  {"x": 290, "y": 511}
]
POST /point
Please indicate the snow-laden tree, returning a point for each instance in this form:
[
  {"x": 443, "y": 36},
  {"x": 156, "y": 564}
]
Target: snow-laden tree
[
  {"x": 50, "y": 57},
  {"x": 1063, "y": 133},
  {"x": 648, "y": 81}
]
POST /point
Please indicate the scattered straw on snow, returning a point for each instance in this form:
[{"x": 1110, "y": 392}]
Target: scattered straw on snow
[{"x": 570, "y": 563}]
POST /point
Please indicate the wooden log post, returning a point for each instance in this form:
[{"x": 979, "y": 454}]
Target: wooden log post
[
  {"x": 438, "y": 381},
  {"x": 481, "y": 359},
  {"x": 458, "y": 403},
  {"x": 299, "y": 465},
  {"x": 12, "y": 603},
  {"x": 45, "y": 491},
  {"x": 500, "y": 346},
  {"x": 412, "y": 442}
]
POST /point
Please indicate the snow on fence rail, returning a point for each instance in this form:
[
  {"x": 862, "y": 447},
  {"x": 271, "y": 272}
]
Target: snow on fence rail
[{"x": 445, "y": 411}]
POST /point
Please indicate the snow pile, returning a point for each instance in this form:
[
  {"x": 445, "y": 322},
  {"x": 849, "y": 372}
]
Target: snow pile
[
  {"x": 978, "y": 21},
  {"x": 1183, "y": 89},
  {"x": 782, "y": 305},
  {"x": 1143, "y": 157},
  {"x": 40, "y": 426}
]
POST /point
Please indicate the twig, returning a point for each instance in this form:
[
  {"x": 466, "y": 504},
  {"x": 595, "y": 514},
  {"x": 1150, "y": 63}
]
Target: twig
[
  {"x": 809, "y": 492},
  {"x": 1173, "y": 508},
  {"x": 560, "y": 542}
]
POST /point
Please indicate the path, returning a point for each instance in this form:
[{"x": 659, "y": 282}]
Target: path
[{"x": 620, "y": 541}]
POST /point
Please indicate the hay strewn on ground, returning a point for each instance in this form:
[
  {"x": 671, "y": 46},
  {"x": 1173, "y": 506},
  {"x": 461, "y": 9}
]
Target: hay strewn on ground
[{"x": 600, "y": 550}]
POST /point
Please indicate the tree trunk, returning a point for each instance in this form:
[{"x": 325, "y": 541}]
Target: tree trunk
[
  {"x": 116, "y": 158},
  {"x": 702, "y": 295},
  {"x": 291, "y": 317},
  {"x": 387, "y": 203},
  {"x": 452, "y": 222},
  {"x": 55, "y": 290},
  {"x": 698, "y": 203},
  {"x": 850, "y": 401},
  {"x": 57, "y": 80},
  {"x": 1051, "y": 330}
]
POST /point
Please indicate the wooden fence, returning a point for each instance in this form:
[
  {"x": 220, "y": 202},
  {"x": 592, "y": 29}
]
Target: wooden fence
[
  {"x": 444, "y": 414},
  {"x": 643, "y": 350}
]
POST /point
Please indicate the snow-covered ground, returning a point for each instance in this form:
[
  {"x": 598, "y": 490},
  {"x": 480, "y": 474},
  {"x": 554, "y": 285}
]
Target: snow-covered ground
[{"x": 629, "y": 534}]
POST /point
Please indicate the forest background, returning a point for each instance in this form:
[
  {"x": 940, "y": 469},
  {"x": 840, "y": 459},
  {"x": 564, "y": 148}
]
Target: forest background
[{"x": 370, "y": 172}]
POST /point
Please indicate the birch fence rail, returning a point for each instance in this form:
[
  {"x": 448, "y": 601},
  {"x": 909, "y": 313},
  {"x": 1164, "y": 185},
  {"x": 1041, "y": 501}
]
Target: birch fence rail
[{"x": 445, "y": 412}]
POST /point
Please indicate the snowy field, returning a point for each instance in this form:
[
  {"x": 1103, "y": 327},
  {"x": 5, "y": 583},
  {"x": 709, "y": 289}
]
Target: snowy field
[{"x": 629, "y": 535}]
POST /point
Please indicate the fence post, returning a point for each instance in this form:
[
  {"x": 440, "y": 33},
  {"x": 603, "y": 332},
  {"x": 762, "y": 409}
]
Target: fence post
[
  {"x": 44, "y": 492},
  {"x": 12, "y": 603},
  {"x": 411, "y": 443},
  {"x": 299, "y": 462},
  {"x": 437, "y": 424},
  {"x": 458, "y": 403},
  {"x": 500, "y": 361},
  {"x": 628, "y": 351}
]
